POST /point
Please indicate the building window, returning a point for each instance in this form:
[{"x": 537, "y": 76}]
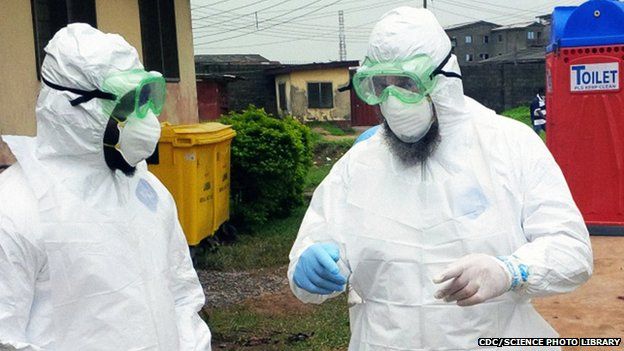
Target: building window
[
  {"x": 453, "y": 42},
  {"x": 51, "y": 15},
  {"x": 539, "y": 35},
  {"x": 500, "y": 38},
  {"x": 320, "y": 95},
  {"x": 468, "y": 39},
  {"x": 484, "y": 56},
  {"x": 530, "y": 35},
  {"x": 469, "y": 57},
  {"x": 281, "y": 91},
  {"x": 486, "y": 39},
  {"x": 158, "y": 37}
]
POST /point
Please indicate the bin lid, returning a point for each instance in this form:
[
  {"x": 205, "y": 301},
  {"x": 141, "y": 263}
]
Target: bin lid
[
  {"x": 195, "y": 134},
  {"x": 595, "y": 22}
]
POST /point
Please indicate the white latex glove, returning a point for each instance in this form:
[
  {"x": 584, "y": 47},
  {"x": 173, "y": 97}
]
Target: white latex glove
[{"x": 475, "y": 278}]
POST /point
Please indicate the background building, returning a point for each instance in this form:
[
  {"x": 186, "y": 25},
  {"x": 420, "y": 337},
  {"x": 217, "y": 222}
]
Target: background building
[
  {"x": 471, "y": 42},
  {"x": 253, "y": 85},
  {"x": 310, "y": 91},
  {"x": 478, "y": 41},
  {"x": 517, "y": 37}
]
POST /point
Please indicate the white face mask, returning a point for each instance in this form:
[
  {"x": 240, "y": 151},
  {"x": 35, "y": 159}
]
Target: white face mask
[
  {"x": 410, "y": 122},
  {"x": 138, "y": 138}
]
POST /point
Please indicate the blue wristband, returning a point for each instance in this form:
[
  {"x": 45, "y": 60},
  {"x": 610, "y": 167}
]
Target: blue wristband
[{"x": 519, "y": 271}]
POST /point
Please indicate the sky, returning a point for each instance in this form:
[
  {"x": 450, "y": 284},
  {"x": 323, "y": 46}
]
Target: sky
[{"x": 304, "y": 31}]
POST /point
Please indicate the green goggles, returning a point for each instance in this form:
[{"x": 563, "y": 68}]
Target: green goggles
[
  {"x": 136, "y": 93},
  {"x": 409, "y": 81}
]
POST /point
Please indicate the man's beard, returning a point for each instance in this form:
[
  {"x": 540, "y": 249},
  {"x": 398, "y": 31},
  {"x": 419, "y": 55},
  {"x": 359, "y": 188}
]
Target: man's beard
[{"x": 412, "y": 154}]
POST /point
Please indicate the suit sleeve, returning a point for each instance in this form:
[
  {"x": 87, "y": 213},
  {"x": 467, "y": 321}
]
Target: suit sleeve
[
  {"x": 321, "y": 224},
  {"x": 20, "y": 262},
  {"x": 187, "y": 292},
  {"x": 558, "y": 251}
]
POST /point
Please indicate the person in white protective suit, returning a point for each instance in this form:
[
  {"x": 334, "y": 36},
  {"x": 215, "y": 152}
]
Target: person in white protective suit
[
  {"x": 92, "y": 256},
  {"x": 446, "y": 222}
]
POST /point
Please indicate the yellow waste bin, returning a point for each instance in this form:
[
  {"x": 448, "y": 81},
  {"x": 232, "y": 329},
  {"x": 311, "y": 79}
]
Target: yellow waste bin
[{"x": 194, "y": 164}]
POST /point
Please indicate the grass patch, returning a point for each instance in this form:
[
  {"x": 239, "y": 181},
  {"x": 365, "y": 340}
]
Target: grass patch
[
  {"x": 329, "y": 151},
  {"x": 521, "y": 114},
  {"x": 315, "y": 138},
  {"x": 267, "y": 245},
  {"x": 331, "y": 128},
  {"x": 245, "y": 327},
  {"x": 316, "y": 176},
  {"x": 259, "y": 247}
]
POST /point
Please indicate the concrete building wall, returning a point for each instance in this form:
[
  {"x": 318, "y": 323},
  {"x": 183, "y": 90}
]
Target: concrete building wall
[
  {"x": 505, "y": 85},
  {"x": 298, "y": 95},
  {"x": 479, "y": 46},
  {"x": 122, "y": 17},
  {"x": 511, "y": 40},
  {"x": 18, "y": 72},
  {"x": 181, "y": 106}
]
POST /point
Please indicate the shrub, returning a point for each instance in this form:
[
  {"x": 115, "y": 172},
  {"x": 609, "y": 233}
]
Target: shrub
[{"x": 270, "y": 160}]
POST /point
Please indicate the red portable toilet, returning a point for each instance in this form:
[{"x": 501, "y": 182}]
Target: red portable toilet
[{"x": 585, "y": 108}]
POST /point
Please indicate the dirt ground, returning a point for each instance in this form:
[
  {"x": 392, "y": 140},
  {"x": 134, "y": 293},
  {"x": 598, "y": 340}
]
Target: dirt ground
[
  {"x": 597, "y": 308},
  {"x": 594, "y": 310}
]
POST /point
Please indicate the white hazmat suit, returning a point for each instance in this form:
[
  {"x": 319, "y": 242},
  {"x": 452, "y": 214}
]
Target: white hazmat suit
[
  {"x": 491, "y": 187},
  {"x": 90, "y": 259}
]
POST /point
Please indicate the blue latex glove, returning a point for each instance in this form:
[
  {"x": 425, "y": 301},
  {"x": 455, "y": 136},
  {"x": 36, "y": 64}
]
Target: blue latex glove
[{"x": 317, "y": 271}]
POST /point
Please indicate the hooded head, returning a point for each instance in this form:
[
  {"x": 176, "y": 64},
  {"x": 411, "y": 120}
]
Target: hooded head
[
  {"x": 407, "y": 32},
  {"x": 410, "y": 71},
  {"x": 79, "y": 57}
]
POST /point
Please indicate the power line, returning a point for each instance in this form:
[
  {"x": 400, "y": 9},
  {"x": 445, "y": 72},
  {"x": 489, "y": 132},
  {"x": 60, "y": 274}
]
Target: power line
[
  {"x": 243, "y": 27},
  {"x": 305, "y": 37},
  {"x": 532, "y": 10},
  {"x": 347, "y": 10},
  {"x": 209, "y": 23},
  {"x": 240, "y": 7},
  {"x": 344, "y": 3},
  {"x": 207, "y": 5},
  {"x": 348, "y": 39},
  {"x": 303, "y": 32},
  {"x": 293, "y": 27},
  {"x": 270, "y": 26}
]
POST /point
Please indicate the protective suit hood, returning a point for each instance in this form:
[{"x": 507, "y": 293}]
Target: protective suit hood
[
  {"x": 405, "y": 32},
  {"x": 78, "y": 56},
  {"x": 68, "y": 149}
]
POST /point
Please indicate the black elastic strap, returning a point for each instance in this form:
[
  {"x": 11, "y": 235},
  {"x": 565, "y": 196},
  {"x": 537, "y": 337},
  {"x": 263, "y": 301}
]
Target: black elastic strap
[
  {"x": 439, "y": 70},
  {"x": 84, "y": 94}
]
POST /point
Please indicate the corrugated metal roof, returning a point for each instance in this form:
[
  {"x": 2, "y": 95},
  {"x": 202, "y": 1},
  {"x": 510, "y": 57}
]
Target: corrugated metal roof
[
  {"x": 469, "y": 24},
  {"x": 313, "y": 66},
  {"x": 532, "y": 54},
  {"x": 517, "y": 26},
  {"x": 231, "y": 58}
]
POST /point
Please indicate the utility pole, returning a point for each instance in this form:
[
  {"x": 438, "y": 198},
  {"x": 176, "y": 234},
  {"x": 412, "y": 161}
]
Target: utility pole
[
  {"x": 342, "y": 45},
  {"x": 256, "y": 13}
]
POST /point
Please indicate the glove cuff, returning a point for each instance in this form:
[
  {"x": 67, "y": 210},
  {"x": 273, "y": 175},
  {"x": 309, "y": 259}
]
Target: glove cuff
[{"x": 519, "y": 271}]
